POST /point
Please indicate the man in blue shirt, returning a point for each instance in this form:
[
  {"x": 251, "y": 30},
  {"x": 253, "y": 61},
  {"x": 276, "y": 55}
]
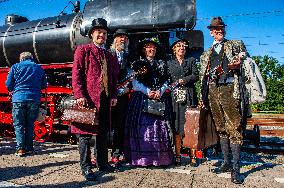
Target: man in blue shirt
[{"x": 25, "y": 80}]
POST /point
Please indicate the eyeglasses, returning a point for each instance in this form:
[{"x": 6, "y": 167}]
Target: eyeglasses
[{"x": 181, "y": 45}]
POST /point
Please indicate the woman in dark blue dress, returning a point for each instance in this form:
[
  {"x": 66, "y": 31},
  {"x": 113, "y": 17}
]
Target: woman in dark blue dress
[{"x": 148, "y": 130}]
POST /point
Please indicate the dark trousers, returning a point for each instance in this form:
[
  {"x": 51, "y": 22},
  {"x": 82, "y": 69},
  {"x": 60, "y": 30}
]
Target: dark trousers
[
  {"x": 118, "y": 120},
  {"x": 101, "y": 150}
]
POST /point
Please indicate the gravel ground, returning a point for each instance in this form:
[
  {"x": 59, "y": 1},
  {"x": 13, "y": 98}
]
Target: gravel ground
[{"x": 57, "y": 165}]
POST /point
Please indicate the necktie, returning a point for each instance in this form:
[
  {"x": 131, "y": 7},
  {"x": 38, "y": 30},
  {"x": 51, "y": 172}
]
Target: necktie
[{"x": 104, "y": 73}]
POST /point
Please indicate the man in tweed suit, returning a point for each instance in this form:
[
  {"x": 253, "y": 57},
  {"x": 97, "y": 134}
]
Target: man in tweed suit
[{"x": 222, "y": 91}]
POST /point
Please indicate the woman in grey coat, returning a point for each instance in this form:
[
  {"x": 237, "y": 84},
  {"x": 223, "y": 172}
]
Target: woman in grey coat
[{"x": 183, "y": 74}]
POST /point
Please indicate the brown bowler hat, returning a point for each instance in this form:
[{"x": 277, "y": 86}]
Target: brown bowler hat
[
  {"x": 216, "y": 22},
  {"x": 98, "y": 23}
]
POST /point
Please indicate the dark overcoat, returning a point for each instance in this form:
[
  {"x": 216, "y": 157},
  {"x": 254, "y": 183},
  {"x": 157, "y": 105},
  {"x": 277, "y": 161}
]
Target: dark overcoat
[
  {"x": 189, "y": 73},
  {"x": 87, "y": 78}
]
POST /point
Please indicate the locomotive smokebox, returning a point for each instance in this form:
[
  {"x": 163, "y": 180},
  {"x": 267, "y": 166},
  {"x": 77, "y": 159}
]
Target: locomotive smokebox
[
  {"x": 54, "y": 39},
  {"x": 51, "y": 40}
]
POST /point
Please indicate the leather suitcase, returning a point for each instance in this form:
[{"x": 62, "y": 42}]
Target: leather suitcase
[{"x": 199, "y": 129}]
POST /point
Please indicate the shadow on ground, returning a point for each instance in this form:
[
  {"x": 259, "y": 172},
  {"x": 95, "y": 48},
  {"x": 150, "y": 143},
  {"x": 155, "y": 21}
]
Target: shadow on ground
[
  {"x": 101, "y": 180},
  {"x": 10, "y": 173}
]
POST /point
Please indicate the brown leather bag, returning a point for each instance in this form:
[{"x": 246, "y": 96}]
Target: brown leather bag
[
  {"x": 199, "y": 129},
  {"x": 80, "y": 115},
  {"x": 74, "y": 114}
]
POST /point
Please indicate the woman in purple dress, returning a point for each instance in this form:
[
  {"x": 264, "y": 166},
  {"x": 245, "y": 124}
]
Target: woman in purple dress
[{"x": 148, "y": 132}]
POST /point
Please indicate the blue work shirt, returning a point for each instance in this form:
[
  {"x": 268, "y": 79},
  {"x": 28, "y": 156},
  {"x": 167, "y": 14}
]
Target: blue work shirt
[{"x": 26, "y": 79}]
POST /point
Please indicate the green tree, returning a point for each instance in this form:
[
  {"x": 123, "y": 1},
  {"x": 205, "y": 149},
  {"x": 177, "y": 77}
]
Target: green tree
[{"x": 273, "y": 75}]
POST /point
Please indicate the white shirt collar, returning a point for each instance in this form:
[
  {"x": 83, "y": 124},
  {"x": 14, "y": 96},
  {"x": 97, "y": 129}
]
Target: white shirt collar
[
  {"x": 99, "y": 46},
  {"x": 217, "y": 42}
]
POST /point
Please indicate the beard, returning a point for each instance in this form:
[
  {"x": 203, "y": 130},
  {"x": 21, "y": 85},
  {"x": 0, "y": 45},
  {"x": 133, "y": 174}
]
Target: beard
[{"x": 122, "y": 46}]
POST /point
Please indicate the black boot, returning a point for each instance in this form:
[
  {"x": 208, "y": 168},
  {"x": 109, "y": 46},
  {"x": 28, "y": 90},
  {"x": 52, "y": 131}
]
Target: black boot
[
  {"x": 235, "y": 174},
  {"x": 226, "y": 165}
]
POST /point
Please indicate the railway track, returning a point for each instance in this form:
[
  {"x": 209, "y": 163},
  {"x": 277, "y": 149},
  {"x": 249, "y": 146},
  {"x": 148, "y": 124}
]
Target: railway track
[{"x": 265, "y": 147}]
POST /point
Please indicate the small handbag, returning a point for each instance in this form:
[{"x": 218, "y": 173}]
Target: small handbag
[
  {"x": 154, "y": 107},
  {"x": 180, "y": 95},
  {"x": 86, "y": 116},
  {"x": 74, "y": 114}
]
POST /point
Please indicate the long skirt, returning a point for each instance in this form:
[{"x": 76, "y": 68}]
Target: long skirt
[{"x": 150, "y": 143}]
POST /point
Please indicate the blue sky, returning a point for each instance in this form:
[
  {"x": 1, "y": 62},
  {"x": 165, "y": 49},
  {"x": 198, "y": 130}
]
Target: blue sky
[{"x": 259, "y": 23}]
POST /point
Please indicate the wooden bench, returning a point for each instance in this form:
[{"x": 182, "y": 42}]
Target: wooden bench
[
  {"x": 267, "y": 126},
  {"x": 263, "y": 125}
]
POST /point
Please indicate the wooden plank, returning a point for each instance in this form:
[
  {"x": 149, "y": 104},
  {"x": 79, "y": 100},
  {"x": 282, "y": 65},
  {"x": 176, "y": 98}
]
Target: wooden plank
[
  {"x": 272, "y": 132},
  {"x": 268, "y": 124},
  {"x": 258, "y": 115},
  {"x": 266, "y": 120}
]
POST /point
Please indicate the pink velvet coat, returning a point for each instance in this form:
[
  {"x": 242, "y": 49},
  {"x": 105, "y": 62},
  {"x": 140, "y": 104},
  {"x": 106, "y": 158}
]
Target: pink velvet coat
[{"x": 87, "y": 78}]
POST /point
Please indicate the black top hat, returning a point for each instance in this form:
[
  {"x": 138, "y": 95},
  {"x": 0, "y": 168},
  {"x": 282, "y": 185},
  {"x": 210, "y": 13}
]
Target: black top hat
[
  {"x": 98, "y": 23},
  {"x": 120, "y": 32},
  {"x": 216, "y": 22},
  {"x": 178, "y": 40}
]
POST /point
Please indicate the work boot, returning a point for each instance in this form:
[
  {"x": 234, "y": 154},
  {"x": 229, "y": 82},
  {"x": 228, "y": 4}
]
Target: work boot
[
  {"x": 235, "y": 174},
  {"x": 226, "y": 165}
]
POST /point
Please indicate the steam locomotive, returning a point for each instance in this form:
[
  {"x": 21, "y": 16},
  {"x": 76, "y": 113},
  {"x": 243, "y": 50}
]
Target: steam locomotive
[{"x": 53, "y": 40}]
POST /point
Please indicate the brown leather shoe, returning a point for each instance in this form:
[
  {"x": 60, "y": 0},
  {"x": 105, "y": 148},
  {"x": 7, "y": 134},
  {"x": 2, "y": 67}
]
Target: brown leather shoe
[
  {"x": 20, "y": 153},
  {"x": 193, "y": 162}
]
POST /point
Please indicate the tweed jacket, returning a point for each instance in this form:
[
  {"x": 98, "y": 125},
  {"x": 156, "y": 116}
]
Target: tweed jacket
[{"x": 232, "y": 48}]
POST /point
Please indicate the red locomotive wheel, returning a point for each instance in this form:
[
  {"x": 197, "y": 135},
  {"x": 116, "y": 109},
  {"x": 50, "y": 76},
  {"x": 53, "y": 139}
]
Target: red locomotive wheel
[{"x": 40, "y": 131}]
